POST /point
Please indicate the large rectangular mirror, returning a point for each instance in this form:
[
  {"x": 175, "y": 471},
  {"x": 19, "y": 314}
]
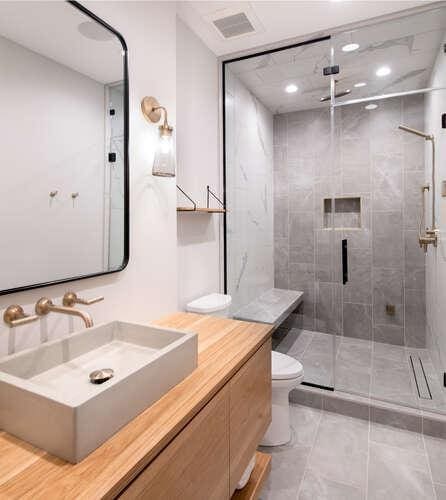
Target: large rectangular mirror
[{"x": 64, "y": 130}]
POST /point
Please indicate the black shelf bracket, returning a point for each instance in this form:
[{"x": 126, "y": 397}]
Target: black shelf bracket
[
  {"x": 211, "y": 193},
  {"x": 188, "y": 197}
]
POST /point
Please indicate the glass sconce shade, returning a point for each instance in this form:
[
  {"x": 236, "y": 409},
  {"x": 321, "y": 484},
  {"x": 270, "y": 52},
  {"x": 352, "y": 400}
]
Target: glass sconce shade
[{"x": 164, "y": 160}]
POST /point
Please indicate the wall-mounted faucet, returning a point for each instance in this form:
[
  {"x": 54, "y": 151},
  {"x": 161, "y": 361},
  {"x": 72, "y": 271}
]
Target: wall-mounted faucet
[
  {"x": 45, "y": 306},
  {"x": 426, "y": 236}
]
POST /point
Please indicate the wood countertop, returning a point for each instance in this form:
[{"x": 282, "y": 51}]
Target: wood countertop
[{"x": 224, "y": 345}]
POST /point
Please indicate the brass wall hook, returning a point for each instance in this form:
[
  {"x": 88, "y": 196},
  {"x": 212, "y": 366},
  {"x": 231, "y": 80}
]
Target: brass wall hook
[{"x": 16, "y": 316}]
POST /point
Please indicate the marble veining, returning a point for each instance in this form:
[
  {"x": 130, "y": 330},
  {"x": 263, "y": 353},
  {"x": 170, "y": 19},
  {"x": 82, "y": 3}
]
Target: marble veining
[{"x": 249, "y": 191}]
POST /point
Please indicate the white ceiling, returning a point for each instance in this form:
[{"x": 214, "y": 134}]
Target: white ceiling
[
  {"x": 50, "y": 28},
  {"x": 407, "y": 45},
  {"x": 280, "y": 20}
]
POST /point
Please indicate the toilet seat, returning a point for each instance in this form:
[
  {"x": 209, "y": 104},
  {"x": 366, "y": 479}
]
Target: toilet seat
[
  {"x": 209, "y": 304},
  {"x": 285, "y": 367}
]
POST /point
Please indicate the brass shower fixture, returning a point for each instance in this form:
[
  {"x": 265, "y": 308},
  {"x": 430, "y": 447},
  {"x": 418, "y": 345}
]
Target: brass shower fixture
[{"x": 426, "y": 236}]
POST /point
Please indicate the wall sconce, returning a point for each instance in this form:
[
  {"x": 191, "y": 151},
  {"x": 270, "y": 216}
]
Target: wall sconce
[{"x": 164, "y": 160}]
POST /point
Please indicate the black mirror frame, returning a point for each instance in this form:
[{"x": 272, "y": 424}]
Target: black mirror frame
[{"x": 125, "y": 261}]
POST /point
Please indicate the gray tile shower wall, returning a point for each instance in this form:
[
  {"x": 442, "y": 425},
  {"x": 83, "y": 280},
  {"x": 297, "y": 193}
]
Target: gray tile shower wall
[{"x": 371, "y": 159}]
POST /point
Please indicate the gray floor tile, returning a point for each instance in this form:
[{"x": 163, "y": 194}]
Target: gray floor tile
[
  {"x": 398, "y": 474},
  {"x": 287, "y": 470},
  {"x": 340, "y": 451},
  {"x": 353, "y": 380},
  {"x": 318, "y": 369},
  {"x": 400, "y": 438},
  {"x": 440, "y": 490},
  {"x": 318, "y": 359},
  {"x": 355, "y": 353},
  {"x": 293, "y": 342},
  {"x": 315, "y": 487},
  {"x": 353, "y": 366},
  {"x": 436, "y": 451},
  {"x": 390, "y": 352},
  {"x": 278, "y": 494},
  {"x": 305, "y": 423},
  {"x": 323, "y": 343},
  {"x": 391, "y": 381}
]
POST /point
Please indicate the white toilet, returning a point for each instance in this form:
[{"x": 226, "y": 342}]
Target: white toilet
[
  {"x": 287, "y": 372},
  {"x": 215, "y": 304}
]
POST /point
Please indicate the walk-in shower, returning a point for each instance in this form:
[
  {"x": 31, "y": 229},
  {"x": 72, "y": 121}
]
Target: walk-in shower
[{"x": 312, "y": 183}]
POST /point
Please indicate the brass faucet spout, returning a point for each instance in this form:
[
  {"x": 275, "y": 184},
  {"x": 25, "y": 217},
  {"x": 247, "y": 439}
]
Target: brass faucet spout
[{"x": 45, "y": 305}]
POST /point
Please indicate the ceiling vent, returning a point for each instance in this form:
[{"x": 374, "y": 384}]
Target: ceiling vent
[{"x": 234, "y": 25}]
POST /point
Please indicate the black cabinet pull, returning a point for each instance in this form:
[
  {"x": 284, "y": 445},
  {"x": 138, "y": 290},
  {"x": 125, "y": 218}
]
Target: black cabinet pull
[{"x": 344, "y": 262}]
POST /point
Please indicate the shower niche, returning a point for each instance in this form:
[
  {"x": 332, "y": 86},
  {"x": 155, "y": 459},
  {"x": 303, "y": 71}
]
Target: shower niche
[{"x": 342, "y": 213}]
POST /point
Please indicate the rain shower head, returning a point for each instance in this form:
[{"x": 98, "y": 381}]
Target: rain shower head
[{"x": 416, "y": 132}]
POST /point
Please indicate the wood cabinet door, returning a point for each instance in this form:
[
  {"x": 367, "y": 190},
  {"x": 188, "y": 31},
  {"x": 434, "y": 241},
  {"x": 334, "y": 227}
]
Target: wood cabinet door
[
  {"x": 195, "y": 465},
  {"x": 250, "y": 410}
]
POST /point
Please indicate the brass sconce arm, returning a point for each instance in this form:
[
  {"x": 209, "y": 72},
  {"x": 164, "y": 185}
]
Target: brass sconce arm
[{"x": 152, "y": 112}]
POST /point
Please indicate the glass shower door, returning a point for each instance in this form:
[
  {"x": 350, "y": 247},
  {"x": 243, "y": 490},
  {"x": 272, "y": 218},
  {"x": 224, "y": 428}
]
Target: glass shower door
[
  {"x": 314, "y": 269},
  {"x": 384, "y": 92}
]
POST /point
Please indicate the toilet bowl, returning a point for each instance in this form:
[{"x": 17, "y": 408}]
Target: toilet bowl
[{"x": 287, "y": 373}]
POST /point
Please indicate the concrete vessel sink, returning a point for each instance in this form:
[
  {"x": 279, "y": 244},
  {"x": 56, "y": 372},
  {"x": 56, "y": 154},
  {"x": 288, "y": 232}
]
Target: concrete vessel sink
[{"x": 48, "y": 399}]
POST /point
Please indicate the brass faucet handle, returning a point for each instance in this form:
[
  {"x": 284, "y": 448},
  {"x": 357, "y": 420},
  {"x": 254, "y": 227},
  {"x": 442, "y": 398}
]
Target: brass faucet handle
[
  {"x": 15, "y": 316},
  {"x": 70, "y": 298}
]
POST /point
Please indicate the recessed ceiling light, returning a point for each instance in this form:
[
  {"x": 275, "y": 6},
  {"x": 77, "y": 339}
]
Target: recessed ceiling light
[
  {"x": 350, "y": 47},
  {"x": 371, "y": 106},
  {"x": 291, "y": 88},
  {"x": 360, "y": 84},
  {"x": 383, "y": 71}
]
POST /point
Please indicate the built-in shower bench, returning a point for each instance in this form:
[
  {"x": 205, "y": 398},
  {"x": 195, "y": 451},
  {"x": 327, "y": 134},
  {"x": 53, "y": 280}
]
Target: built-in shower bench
[{"x": 272, "y": 307}]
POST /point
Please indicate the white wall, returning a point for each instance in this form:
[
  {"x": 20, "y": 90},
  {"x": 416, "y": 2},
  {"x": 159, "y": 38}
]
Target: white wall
[
  {"x": 249, "y": 173},
  {"x": 198, "y": 165},
  {"x": 60, "y": 114},
  {"x": 147, "y": 288},
  {"x": 436, "y": 257}
]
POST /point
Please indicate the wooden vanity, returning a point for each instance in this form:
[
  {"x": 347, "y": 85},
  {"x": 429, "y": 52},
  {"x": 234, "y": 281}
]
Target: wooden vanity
[{"x": 194, "y": 443}]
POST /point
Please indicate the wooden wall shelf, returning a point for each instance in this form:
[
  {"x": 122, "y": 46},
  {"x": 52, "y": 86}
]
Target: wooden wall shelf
[{"x": 204, "y": 210}]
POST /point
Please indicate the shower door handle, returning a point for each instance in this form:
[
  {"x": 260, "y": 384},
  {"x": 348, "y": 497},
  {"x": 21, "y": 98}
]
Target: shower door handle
[{"x": 344, "y": 262}]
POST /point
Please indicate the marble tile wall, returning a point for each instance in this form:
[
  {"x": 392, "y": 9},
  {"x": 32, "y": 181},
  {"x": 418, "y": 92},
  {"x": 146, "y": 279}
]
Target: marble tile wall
[
  {"x": 383, "y": 166},
  {"x": 249, "y": 194}
]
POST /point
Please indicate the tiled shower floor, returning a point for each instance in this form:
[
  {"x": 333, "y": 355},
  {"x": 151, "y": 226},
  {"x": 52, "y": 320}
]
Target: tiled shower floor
[{"x": 371, "y": 369}]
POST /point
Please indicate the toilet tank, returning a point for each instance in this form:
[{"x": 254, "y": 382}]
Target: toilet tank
[{"x": 214, "y": 304}]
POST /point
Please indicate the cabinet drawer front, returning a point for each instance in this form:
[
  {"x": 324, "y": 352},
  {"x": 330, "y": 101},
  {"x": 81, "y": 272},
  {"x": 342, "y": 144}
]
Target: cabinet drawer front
[
  {"x": 195, "y": 465},
  {"x": 250, "y": 410}
]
